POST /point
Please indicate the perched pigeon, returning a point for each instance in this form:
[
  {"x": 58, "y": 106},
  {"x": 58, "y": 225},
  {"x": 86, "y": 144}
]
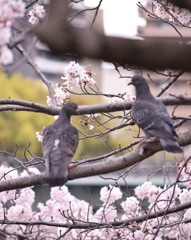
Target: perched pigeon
[
  {"x": 60, "y": 141},
  {"x": 151, "y": 116}
]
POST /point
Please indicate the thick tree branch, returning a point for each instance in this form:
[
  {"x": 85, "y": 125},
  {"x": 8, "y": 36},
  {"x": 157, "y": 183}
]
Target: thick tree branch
[
  {"x": 23, "y": 103},
  {"x": 150, "y": 54},
  {"x": 87, "y": 109},
  {"x": 126, "y": 105},
  {"x": 124, "y": 161},
  {"x": 102, "y": 167},
  {"x": 182, "y": 3}
]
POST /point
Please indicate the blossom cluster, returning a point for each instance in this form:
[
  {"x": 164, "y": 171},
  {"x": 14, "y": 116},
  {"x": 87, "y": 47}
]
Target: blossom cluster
[
  {"x": 88, "y": 120},
  {"x": 167, "y": 11},
  {"x": 9, "y": 10},
  {"x": 36, "y": 13},
  {"x": 64, "y": 208},
  {"x": 78, "y": 75},
  {"x": 74, "y": 76},
  {"x": 121, "y": 97}
]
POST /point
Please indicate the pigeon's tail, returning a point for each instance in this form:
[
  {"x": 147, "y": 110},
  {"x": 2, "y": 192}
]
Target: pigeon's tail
[
  {"x": 57, "y": 181},
  {"x": 54, "y": 178},
  {"x": 56, "y": 172},
  {"x": 170, "y": 145}
]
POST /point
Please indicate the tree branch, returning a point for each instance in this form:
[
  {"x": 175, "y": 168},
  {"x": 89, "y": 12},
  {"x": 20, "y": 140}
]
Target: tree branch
[
  {"x": 151, "y": 54},
  {"x": 38, "y": 72},
  {"x": 77, "y": 224},
  {"x": 87, "y": 109},
  {"x": 31, "y": 105},
  {"x": 182, "y": 3},
  {"x": 106, "y": 166}
]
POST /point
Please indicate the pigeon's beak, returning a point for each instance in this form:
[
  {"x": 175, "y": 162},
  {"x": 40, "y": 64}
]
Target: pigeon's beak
[{"x": 130, "y": 83}]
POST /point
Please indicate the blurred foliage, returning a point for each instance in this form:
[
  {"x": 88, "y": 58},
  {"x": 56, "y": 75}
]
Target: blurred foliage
[{"x": 19, "y": 128}]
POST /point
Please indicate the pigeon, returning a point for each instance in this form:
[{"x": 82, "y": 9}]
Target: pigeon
[
  {"x": 152, "y": 117},
  {"x": 60, "y": 141}
]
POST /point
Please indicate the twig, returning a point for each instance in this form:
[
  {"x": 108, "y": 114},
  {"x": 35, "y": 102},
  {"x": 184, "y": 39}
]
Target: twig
[{"x": 39, "y": 72}]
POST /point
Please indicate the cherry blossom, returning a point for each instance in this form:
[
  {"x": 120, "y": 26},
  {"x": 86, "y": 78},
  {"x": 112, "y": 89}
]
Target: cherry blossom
[
  {"x": 77, "y": 75},
  {"x": 105, "y": 214},
  {"x": 57, "y": 194},
  {"x": 25, "y": 193},
  {"x": 131, "y": 206},
  {"x": 6, "y": 55},
  {"x": 39, "y": 136},
  {"x": 169, "y": 12},
  {"x": 61, "y": 94},
  {"x": 5, "y": 35},
  {"x": 147, "y": 190},
  {"x": 62, "y": 206},
  {"x": 185, "y": 196},
  {"x": 110, "y": 194},
  {"x": 90, "y": 127},
  {"x": 9, "y": 10},
  {"x": 122, "y": 97},
  {"x": 49, "y": 101},
  {"x": 17, "y": 7},
  {"x": 36, "y": 13},
  {"x": 21, "y": 212},
  {"x": 30, "y": 170}
]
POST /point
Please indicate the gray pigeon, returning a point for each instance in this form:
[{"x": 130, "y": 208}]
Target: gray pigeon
[
  {"x": 152, "y": 117},
  {"x": 60, "y": 141}
]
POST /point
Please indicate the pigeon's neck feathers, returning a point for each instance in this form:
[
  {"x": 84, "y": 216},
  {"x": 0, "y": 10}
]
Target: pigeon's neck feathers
[
  {"x": 64, "y": 116},
  {"x": 143, "y": 91}
]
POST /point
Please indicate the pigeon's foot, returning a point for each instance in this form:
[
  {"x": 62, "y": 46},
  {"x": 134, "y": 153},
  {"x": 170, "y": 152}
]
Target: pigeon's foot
[
  {"x": 141, "y": 146},
  {"x": 72, "y": 166},
  {"x": 147, "y": 140}
]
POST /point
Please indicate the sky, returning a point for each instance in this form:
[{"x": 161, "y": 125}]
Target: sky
[{"x": 120, "y": 16}]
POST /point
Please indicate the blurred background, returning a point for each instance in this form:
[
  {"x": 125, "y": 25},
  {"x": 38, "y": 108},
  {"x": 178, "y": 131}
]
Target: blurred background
[{"x": 18, "y": 130}]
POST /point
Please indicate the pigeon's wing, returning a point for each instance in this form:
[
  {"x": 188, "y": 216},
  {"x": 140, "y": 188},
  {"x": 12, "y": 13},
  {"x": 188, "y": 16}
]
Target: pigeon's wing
[
  {"x": 48, "y": 140},
  {"x": 162, "y": 125},
  {"x": 155, "y": 121},
  {"x": 59, "y": 146},
  {"x": 50, "y": 134},
  {"x": 153, "y": 118}
]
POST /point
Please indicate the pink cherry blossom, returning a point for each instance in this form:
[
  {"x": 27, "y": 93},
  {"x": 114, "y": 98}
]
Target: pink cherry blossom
[
  {"x": 167, "y": 11},
  {"x": 39, "y": 136},
  {"x": 6, "y": 55},
  {"x": 147, "y": 190},
  {"x": 26, "y": 196},
  {"x": 21, "y": 212},
  {"x": 5, "y": 35},
  {"x": 131, "y": 206},
  {"x": 37, "y": 12},
  {"x": 110, "y": 194}
]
